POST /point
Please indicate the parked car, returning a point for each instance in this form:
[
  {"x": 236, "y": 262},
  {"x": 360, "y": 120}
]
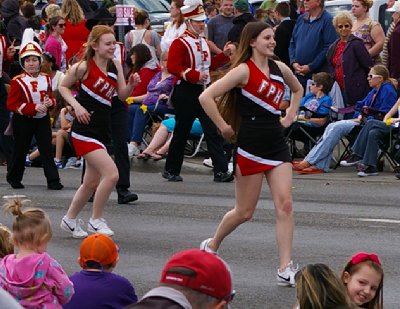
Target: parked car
[{"x": 376, "y": 12}]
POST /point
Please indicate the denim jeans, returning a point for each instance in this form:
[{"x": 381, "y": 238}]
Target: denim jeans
[
  {"x": 321, "y": 154},
  {"x": 367, "y": 142}
]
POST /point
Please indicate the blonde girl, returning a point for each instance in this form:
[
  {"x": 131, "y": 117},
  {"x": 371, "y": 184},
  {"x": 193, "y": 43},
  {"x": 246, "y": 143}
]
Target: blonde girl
[{"x": 31, "y": 275}]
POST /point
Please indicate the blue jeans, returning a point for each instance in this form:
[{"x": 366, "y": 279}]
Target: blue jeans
[
  {"x": 138, "y": 119},
  {"x": 367, "y": 142},
  {"x": 321, "y": 154}
]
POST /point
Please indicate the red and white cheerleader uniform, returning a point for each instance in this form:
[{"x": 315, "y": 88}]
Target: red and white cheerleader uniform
[{"x": 260, "y": 144}]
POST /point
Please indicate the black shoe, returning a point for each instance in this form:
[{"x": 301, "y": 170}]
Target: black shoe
[
  {"x": 171, "y": 177},
  {"x": 55, "y": 185},
  {"x": 125, "y": 196},
  {"x": 223, "y": 177},
  {"x": 16, "y": 184}
]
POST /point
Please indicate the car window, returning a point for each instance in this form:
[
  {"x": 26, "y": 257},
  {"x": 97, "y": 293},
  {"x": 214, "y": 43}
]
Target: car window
[
  {"x": 335, "y": 9},
  {"x": 150, "y": 6}
]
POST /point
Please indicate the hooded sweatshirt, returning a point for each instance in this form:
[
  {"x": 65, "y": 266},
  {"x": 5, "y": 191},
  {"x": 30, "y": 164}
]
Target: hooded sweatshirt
[{"x": 35, "y": 281}]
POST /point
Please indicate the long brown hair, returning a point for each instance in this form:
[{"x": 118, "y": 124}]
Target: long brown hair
[
  {"x": 71, "y": 10},
  {"x": 180, "y": 20},
  {"x": 227, "y": 105}
]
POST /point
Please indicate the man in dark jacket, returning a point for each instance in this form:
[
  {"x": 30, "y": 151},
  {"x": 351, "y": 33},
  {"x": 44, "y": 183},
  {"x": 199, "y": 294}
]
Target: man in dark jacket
[
  {"x": 191, "y": 279},
  {"x": 283, "y": 32},
  {"x": 243, "y": 16}
]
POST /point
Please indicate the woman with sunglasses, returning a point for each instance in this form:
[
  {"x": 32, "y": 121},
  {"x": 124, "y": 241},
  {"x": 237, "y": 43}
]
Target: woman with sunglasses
[
  {"x": 349, "y": 61},
  {"x": 55, "y": 44},
  {"x": 375, "y": 105}
]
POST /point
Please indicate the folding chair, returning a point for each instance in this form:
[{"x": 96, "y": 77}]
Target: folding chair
[{"x": 390, "y": 149}]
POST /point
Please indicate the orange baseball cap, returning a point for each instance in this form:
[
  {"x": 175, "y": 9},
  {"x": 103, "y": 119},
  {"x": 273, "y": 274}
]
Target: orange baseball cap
[{"x": 98, "y": 248}]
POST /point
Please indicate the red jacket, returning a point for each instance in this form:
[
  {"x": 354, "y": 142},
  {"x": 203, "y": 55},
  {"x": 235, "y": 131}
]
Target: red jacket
[
  {"x": 181, "y": 65},
  {"x": 27, "y": 91}
]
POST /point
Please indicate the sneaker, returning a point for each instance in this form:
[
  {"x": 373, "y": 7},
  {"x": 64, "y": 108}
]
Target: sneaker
[
  {"x": 133, "y": 150},
  {"x": 171, "y": 177},
  {"x": 73, "y": 226},
  {"x": 58, "y": 163},
  {"x": 204, "y": 246},
  {"x": 230, "y": 167},
  {"x": 99, "y": 226},
  {"x": 369, "y": 171},
  {"x": 223, "y": 177},
  {"x": 71, "y": 162},
  {"x": 351, "y": 161},
  {"x": 208, "y": 162},
  {"x": 286, "y": 277},
  {"x": 28, "y": 162}
]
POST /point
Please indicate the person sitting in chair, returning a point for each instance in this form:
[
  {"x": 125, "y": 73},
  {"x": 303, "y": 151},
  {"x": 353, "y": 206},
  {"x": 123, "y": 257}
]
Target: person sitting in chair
[{"x": 313, "y": 111}]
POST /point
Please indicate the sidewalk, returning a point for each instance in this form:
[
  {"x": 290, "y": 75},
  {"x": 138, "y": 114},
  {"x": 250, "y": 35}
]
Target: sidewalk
[{"x": 195, "y": 166}]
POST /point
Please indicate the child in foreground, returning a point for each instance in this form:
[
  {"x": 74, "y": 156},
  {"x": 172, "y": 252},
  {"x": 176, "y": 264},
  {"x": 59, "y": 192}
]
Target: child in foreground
[
  {"x": 32, "y": 276},
  {"x": 95, "y": 285}
]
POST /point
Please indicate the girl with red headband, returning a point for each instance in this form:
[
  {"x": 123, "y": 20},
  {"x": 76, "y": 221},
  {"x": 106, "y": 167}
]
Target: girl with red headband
[{"x": 363, "y": 278}]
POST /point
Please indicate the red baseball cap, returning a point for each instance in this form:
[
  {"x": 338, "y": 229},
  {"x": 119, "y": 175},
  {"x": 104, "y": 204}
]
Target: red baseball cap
[
  {"x": 212, "y": 274},
  {"x": 98, "y": 248}
]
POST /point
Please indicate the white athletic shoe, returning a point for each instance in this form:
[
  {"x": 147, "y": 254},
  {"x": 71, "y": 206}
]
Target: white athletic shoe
[
  {"x": 286, "y": 277},
  {"x": 204, "y": 246},
  {"x": 99, "y": 226},
  {"x": 133, "y": 150},
  {"x": 73, "y": 226},
  {"x": 208, "y": 162}
]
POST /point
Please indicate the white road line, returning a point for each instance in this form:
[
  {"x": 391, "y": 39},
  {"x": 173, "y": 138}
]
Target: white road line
[{"x": 379, "y": 220}]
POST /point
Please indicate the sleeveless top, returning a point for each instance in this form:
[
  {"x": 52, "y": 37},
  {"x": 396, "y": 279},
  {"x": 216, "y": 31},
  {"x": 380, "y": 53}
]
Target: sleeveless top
[
  {"x": 364, "y": 33},
  {"x": 95, "y": 95},
  {"x": 261, "y": 134},
  {"x": 135, "y": 37}
]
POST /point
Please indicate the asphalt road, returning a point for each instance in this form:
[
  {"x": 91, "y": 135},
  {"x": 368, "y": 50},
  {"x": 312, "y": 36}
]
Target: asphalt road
[{"x": 336, "y": 215}]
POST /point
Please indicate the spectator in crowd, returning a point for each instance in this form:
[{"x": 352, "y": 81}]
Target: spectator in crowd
[
  {"x": 311, "y": 38},
  {"x": 176, "y": 27},
  {"x": 389, "y": 31},
  {"x": 52, "y": 10},
  {"x": 394, "y": 44},
  {"x": 219, "y": 26},
  {"x": 211, "y": 11},
  {"x": 316, "y": 107},
  {"x": 75, "y": 33},
  {"x": 370, "y": 31},
  {"x": 249, "y": 109},
  {"x": 31, "y": 275},
  {"x": 101, "y": 79},
  {"x": 363, "y": 277},
  {"x": 142, "y": 34},
  {"x": 44, "y": 13},
  {"x": 154, "y": 102},
  {"x": 191, "y": 278},
  {"x": 349, "y": 61},
  {"x": 318, "y": 287},
  {"x": 6, "y": 245},
  {"x": 87, "y": 7},
  {"x": 144, "y": 65},
  {"x": 159, "y": 144},
  {"x": 31, "y": 115},
  {"x": 96, "y": 286},
  {"x": 28, "y": 11},
  {"x": 380, "y": 99},
  {"x": 55, "y": 44},
  {"x": 15, "y": 23},
  {"x": 366, "y": 146},
  {"x": 242, "y": 17},
  {"x": 268, "y": 4},
  {"x": 283, "y": 32},
  {"x": 191, "y": 66}
]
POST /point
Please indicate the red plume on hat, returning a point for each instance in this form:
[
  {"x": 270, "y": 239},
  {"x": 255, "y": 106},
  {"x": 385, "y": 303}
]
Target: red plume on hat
[
  {"x": 193, "y": 9},
  {"x": 28, "y": 45}
]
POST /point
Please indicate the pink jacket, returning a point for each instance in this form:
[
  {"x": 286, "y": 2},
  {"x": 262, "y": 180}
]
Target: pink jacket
[
  {"x": 54, "y": 47},
  {"x": 35, "y": 281}
]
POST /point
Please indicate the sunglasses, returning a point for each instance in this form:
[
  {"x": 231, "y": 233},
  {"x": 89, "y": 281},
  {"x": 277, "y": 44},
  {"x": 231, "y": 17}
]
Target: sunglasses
[
  {"x": 346, "y": 26},
  {"x": 62, "y": 25},
  {"x": 374, "y": 75}
]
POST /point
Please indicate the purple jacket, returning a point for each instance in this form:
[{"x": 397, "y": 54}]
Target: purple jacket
[
  {"x": 356, "y": 63},
  {"x": 35, "y": 281}
]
